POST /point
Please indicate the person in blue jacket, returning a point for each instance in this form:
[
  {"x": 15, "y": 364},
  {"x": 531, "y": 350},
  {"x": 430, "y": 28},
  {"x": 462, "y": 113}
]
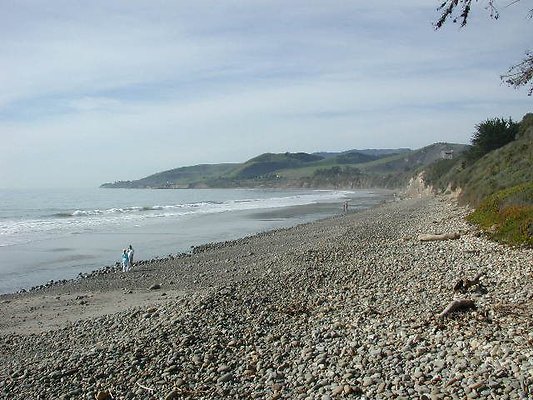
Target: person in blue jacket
[{"x": 125, "y": 261}]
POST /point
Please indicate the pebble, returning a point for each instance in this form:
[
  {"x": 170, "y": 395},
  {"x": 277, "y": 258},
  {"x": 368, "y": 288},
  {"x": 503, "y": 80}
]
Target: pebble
[
  {"x": 226, "y": 377},
  {"x": 344, "y": 307}
]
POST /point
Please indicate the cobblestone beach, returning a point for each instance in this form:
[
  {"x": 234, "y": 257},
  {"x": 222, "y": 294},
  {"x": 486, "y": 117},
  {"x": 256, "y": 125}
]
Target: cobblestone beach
[{"x": 347, "y": 307}]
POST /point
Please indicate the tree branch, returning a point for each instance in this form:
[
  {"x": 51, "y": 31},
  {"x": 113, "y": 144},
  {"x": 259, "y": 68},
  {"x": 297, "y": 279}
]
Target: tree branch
[
  {"x": 449, "y": 8},
  {"x": 518, "y": 75},
  {"x": 521, "y": 74}
]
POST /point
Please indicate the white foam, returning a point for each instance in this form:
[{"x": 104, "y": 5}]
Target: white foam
[{"x": 27, "y": 230}]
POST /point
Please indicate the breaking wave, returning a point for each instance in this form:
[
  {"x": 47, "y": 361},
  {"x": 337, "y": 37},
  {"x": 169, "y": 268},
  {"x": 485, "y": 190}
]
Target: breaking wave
[{"x": 63, "y": 222}]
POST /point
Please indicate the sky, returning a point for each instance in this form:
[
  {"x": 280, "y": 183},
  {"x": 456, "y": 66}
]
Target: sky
[{"x": 99, "y": 91}]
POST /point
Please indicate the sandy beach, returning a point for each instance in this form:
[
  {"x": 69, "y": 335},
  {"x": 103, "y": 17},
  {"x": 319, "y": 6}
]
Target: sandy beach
[{"x": 346, "y": 307}]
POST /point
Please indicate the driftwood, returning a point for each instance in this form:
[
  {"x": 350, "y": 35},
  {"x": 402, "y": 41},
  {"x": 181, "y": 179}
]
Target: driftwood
[
  {"x": 444, "y": 236},
  {"x": 145, "y": 388},
  {"x": 464, "y": 284},
  {"x": 457, "y": 305}
]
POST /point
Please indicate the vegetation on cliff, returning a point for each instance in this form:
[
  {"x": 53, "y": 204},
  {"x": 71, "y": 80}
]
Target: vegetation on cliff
[
  {"x": 507, "y": 215},
  {"x": 488, "y": 167},
  {"x": 496, "y": 176}
]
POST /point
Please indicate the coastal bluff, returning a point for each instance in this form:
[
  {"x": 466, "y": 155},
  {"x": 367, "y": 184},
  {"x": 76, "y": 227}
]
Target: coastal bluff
[{"x": 351, "y": 306}]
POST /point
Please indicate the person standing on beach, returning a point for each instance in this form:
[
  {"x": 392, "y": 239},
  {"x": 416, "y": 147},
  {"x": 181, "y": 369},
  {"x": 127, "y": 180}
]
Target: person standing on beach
[
  {"x": 130, "y": 256},
  {"x": 125, "y": 261}
]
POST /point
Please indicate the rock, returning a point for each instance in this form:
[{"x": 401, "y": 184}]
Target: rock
[
  {"x": 173, "y": 395},
  {"x": 276, "y": 396},
  {"x": 155, "y": 286},
  {"x": 223, "y": 368},
  {"x": 367, "y": 381},
  {"x": 225, "y": 378},
  {"x": 337, "y": 390},
  {"x": 55, "y": 375},
  {"x": 418, "y": 374},
  {"x": 104, "y": 395}
]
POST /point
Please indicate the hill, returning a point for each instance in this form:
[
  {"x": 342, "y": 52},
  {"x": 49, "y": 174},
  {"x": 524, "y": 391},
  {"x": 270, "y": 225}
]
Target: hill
[
  {"x": 502, "y": 168},
  {"x": 350, "y": 169},
  {"x": 268, "y": 163},
  {"x": 392, "y": 171},
  {"x": 369, "y": 152},
  {"x": 175, "y": 178},
  {"x": 499, "y": 185}
]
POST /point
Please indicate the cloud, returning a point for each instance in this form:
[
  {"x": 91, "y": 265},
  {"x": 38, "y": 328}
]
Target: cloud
[{"x": 93, "y": 86}]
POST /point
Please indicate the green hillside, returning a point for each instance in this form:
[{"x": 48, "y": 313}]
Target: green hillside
[
  {"x": 344, "y": 159},
  {"x": 414, "y": 160},
  {"x": 391, "y": 171},
  {"x": 179, "y": 177},
  {"x": 378, "y": 153},
  {"x": 499, "y": 184},
  {"x": 350, "y": 169},
  {"x": 269, "y": 163},
  {"x": 504, "y": 167}
]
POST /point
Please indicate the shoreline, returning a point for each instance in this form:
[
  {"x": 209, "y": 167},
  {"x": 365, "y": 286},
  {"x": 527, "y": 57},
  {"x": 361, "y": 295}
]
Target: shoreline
[
  {"x": 337, "y": 307},
  {"x": 76, "y": 293},
  {"x": 32, "y": 265}
]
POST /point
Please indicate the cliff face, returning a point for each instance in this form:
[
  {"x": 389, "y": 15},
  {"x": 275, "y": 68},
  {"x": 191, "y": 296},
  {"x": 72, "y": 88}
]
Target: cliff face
[
  {"x": 417, "y": 187},
  {"x": 359, "y": 181},
  {"x": 499, "y": 185},
  {"x": 502, "y": 168}
]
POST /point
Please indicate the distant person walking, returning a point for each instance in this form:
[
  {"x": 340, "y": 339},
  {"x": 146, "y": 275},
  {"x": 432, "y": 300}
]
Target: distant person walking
[
  {"x": 130, "y": 256},
  {"x": 125, "y": 261},
  {"x": 345, "y": 207}
]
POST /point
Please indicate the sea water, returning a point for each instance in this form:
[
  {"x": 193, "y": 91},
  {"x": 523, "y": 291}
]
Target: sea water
[{"x": 50, "y": 234}]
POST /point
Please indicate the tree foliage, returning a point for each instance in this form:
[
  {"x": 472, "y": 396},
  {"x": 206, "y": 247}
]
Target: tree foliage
[
  {"x": 518, "y": 75},
  {"x": 491, "y": 135}
]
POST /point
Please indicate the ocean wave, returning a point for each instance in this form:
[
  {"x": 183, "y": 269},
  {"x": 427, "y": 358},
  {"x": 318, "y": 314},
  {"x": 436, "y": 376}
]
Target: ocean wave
[
  {"x": 61, "y": 215},
  {"x": 209, "y": 206},
  {"x": 109, "y": 211},
  {"x": 68, "y": 221}
]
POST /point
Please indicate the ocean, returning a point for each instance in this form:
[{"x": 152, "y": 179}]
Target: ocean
[{"x": 50, "y": 234}]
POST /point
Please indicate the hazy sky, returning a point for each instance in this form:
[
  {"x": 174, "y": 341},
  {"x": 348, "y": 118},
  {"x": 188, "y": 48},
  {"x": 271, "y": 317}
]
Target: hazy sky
[{"x": 97, "y": 91}]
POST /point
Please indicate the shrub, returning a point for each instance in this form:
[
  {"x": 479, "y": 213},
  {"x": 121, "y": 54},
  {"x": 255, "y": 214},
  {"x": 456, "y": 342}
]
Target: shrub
[
  {"x": 491, "y": 135},
  {"x": 508, "y": 215}
]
